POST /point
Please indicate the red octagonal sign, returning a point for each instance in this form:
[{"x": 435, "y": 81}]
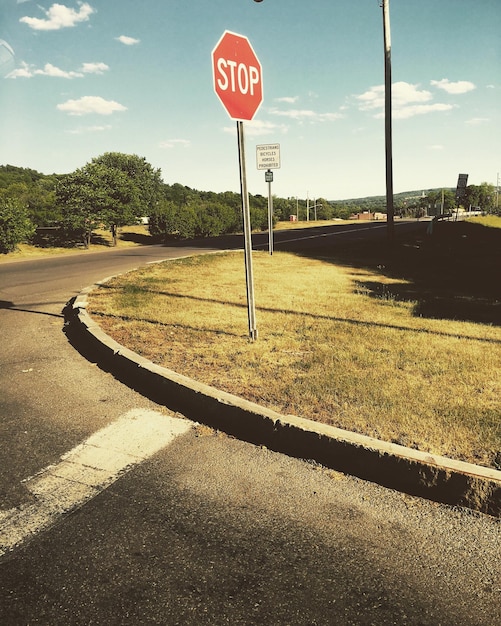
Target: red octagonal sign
[{"x": 238, "y": 79}]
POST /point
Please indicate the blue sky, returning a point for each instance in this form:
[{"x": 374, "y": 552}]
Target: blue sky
[{"x": 136, "y": 77}]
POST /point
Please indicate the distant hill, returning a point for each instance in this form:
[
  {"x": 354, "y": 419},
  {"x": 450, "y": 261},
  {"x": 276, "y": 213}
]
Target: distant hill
[
  {"x": 10, "y": 174},
  {"x": 381, "y": 200}
]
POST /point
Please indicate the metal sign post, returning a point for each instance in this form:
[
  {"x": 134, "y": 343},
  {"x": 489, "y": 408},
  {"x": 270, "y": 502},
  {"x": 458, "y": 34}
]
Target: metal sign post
[
  {"x": 268, "y": 177},
  {"x": 268, "y": 158},
  {"x": 249, "y": 276}
]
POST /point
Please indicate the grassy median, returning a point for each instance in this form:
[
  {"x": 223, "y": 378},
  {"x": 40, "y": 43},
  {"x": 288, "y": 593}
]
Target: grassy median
[{"x": 353, "y": 337}]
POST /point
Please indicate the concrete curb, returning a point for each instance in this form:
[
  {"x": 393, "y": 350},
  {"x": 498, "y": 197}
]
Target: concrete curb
[{"x": 417, "y": 473}]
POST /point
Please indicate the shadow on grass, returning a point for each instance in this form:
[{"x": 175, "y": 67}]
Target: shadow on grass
[
  {"x": 344, "y": 320},
  {"x": 452, "y": 274},
  {"x": 142, "y": 239},
  {"x": 56, "y": 237}
]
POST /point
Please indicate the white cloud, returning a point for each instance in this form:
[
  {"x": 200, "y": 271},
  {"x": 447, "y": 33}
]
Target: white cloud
[
  {"x": 52, "y": 70},
  {"x": 25, "y": 71},
  {"x": 476, "y": 121},
  {"x": 172, "y": 143},
  {"x": 287, "y": 99},
  {"x": 128, "y": 41},
  {"x": 94, "y": 68},
  {"x": 406, "y": 112},
  {"x": 436, "y": 147},
  {"x": 259, "y": 128},
  {"x": 59, "y": 16},
  {"x": 28, "y": 71},
  {"x": 460, "y": 86},
  {"x": 90, "y": 104},
  {"x": 308, "y": 115},
  {"x": 408, "y": 100},
  {"x": 402, "y": 94},
  {"x": 82, "y": 130}
]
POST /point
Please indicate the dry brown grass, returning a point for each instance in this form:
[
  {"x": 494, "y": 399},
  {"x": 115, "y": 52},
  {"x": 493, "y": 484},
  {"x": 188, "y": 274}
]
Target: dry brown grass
[{"x": 328, "y": 349}]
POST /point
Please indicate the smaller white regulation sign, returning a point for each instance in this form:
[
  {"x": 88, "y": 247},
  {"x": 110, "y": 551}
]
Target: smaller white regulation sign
[{"x": 268, "y": 156}]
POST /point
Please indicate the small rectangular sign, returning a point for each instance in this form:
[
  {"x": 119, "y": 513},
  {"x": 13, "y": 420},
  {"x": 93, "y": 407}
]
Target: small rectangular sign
[
  {"x": 461, "y": 187},
  {"x": 268, "y": 156}
]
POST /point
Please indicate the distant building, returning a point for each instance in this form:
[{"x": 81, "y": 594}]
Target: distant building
[{"x": 368, "y": 216}]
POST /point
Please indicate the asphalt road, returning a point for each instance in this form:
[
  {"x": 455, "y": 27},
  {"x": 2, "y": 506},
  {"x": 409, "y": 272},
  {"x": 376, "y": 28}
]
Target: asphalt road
[{"x": 206, "y": 529}]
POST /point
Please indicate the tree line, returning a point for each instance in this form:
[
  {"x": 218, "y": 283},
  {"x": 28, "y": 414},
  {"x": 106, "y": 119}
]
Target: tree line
[{"x": 116, "y": 190}]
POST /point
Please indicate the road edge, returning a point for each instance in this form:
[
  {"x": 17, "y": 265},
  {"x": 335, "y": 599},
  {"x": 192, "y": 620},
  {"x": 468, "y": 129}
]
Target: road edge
[{"x": 410, "y": 471}]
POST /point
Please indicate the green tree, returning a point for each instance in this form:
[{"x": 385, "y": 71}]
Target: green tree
[
  {"x": 324, "y": 209},
  {"x": 215, "y": 218},
  {"x": 146, "y": 180},
  {"x": 15, "y": 225},
  {"x": 483, "y": 196},
  {"x": 128, "y": 206},
  {"x": 283, "y": 208},
  {"x": 179, "y": 194},
  {"x": 432, "y": 203},
  {"x": 170, "y": 221},
  {"x": 76, "y": 195},
  {"x": 41, "y": 201},
  {"x": 114, "y": 189}
]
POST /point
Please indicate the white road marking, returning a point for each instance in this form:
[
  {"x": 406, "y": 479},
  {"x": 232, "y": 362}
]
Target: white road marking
[
  {"x": 319, "y": 235},
  {"x": 87, "y": 470}
]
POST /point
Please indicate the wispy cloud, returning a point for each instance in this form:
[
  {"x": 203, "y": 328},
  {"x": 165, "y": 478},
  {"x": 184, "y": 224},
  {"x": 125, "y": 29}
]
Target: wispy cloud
[
  {"x": 52, "y": 70},
  {"x": 420, "y": 109},
  {"x": 59, "y": 16},
  {"x": 24, "y": 71},
  {"x": 402, "y": 94},
  {"x": 82, "y": 130},
  {"x": 90, "y": 104},
  {"x": 306, "y": 115},
  {"x": 128, "y": 41},
  {"x": 477, "y": 121},
  {"x": 436, "y": 147},
  {"x": 94, "y": 68},
  {"x": 455, "y": 88},
  {"x": 287, "y": 99},
  {"x": 173, "y": 143},
  {"x": 259, "y": 128},
  {"x": 408, "y": 100},
  {"x": 28, "y": 71}
]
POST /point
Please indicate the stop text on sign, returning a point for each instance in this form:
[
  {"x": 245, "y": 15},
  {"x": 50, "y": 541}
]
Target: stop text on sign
[
  {"x": 237, "y": 76},
  {"x": 233, "y": 76}
]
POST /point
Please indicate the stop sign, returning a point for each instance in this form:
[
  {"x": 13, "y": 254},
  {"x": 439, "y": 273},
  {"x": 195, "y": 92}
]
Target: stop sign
[{"x": 238, "y": 80}]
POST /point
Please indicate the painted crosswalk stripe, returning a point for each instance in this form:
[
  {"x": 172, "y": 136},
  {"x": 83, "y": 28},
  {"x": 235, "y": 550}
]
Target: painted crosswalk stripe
[{"x": 87, "y": 470}]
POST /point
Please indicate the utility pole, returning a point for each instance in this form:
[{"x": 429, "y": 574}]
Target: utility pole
[{"x": 385, "y": 4}]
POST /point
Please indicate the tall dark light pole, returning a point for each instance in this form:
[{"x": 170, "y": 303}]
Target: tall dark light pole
[{"x": 385, "y": 5}]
